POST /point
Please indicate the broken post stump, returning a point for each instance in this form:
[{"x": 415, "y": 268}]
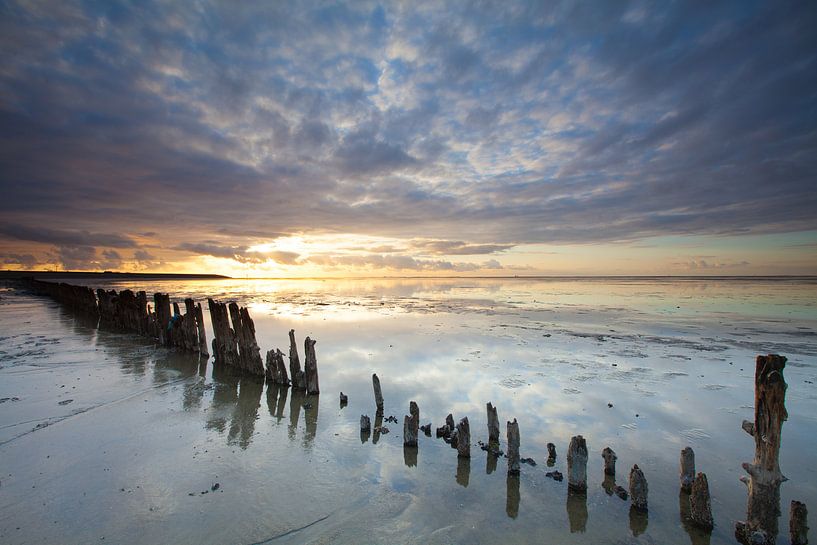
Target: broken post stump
[
  {"x": 798, "y": 523},
  {"x": 700, "y": 504},
  {"x": 493, "y": 428},
  {"x": 311, "y": 367},
  {"x": 609, "y": 461},
  {"x": 765, "y": 477},
  {"x": 687, "y": 469},
  {"x": 365, "y": 423},
  {"x": 551, "y": 453},
  {"x": 464, "y": 438},
  {"x": 378, "y": 395},
  {"x": 513, "y": 445},
  {"x": 344, "y": 399},
  {"x": 638, "y": 488},
  {"x": 577, "y": 464},
  {"x": 414, "y": 411},
  {"x": 161, "y": 306}
]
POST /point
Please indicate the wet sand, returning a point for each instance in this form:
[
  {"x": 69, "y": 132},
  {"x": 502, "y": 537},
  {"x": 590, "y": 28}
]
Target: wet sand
[{"x": 103, "y": 435}]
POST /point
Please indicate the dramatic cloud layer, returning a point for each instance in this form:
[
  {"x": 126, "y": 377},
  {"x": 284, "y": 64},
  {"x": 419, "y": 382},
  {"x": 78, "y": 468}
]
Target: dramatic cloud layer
[{"x": 461, "y": 135}]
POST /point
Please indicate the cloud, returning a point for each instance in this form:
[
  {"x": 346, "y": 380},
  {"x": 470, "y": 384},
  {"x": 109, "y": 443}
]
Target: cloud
[
  {"x": 27, "y": 261},
  {"x": 492, "y": 126}
]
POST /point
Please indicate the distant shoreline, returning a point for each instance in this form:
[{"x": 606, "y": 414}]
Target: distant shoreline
[
  {"x": 111, "y": 275},
  {"x": 16, "y": 275}
]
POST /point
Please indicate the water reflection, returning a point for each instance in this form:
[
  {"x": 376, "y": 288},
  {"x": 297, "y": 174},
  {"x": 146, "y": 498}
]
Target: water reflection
[
  {"x": 295, "y": 402},
  {"x": 463, "y": 471},
  {"x": 638, "y": 521},
  {"x": 697, "y": 535},
  {"x": 277, "y": 400},
  {"x": 490, "y": 463},
  {"x": 410, "y": 456},
  {"x": 511, "y": 495},
  {"x": 311, "y": 418},
  {"x": 242, "y": 424},
  {"x": 577, "y": 511}
]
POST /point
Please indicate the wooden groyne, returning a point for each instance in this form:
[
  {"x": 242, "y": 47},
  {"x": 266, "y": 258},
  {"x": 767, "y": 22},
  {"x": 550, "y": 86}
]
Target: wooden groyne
[{"x": 234, "y": 342}]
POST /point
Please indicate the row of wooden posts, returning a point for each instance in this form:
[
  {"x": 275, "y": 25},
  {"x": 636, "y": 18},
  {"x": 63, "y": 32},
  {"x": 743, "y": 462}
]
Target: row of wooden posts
[
  {"x": 764, "y": 480},
  {"x": 234, "y": 342},
  {"x": 236, "y": 346}
]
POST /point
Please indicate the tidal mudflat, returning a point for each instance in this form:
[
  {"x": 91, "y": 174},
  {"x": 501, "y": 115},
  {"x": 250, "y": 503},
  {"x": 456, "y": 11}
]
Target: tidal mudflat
[{"x": 105, "y": 437}]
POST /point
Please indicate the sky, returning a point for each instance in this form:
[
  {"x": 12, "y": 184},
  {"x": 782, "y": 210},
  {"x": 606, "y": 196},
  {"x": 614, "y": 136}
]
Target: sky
[{"x": 288, "y": 139}]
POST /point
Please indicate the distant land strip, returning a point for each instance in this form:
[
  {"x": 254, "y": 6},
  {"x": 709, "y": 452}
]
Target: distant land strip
[{"x": 16, "y": 275}]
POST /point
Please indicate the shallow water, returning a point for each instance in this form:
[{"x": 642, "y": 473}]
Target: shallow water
[{"x": 106, "y": 438}]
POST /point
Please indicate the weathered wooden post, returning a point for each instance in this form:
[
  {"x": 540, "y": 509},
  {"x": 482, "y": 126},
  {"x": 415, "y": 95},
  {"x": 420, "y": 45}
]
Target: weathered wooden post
[
  {"x": 687, "y": 469},
  {"x": 638, "y": 488},
  {"x": 551, "y": 454},
  {"x": 493, "y": 428},
  {"x": 225, "y": 348},
  {"x": 200, "y": 325},
  {"x": 161, "y": 305},
  {"x": 765, "y": 477},
  {"x": 577, "y": 464},
  {"x": 378, "y": 395},
  {"x": 311, "y": 365},
  {"x": 414, "y": 410},
  {"x": 365, "y": 428},
  {"x": 295, "y": 372},
  {"x": 609, "y": 461},
  {"x": 700, "y": 505},
  {"x": 513, "y": 445},
  {"x": 249, "y": 354},
  {"x": 464, "y": 438},
  {"x": 798, "y": 523}
]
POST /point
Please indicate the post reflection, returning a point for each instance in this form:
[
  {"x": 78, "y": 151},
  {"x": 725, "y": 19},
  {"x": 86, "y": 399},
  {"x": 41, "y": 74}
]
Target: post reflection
[
  {"x": 638, "y": 521},
  {"x": 511, "y": 495},
  {"x": 277, "y": 400},
  {"x": 295, "y": 402},
  {"x": 697, "y": 536},
  {"x": 490, "y": 463},
  {"x": 577, "y": 511},
  {"x": 410, "y": 456},
  {"x": 242, "y": 423},
  {"x": 311, "y": 403},
  {"x": 463, "y": 471}
]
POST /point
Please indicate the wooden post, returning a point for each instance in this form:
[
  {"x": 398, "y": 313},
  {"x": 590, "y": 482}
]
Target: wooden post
[
  {"x": 161, "y": 306},
  {"x": 638, "y": 488},
  {"x": 609, "y": 461},
  {"x": 765, "y": 477},
  {"x": 577, "y": 464},
  {"x": 378, "y": 395},
  {"x": 311, "y": 366},
  {"x": 513, "y": 445},
  {"x": 687, "y": 469},
  {"x": 464, "y": 438},
  {"x": 493, "y": 428},
  {"x": 225, "y": 348},
  {"x": 249, "y": 355},
  {"x": 551, "y": 453},
  {"x": 414, "y": 411},
  {"x": 202, "y": 336},
  {"x": 700, "y": 505},
  {"x": 798, "y": 523},
  {"x": 294, "y": 360}
]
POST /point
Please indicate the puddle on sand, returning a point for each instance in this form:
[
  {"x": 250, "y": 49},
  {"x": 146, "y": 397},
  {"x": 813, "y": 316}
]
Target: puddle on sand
[{"x": 104, "y": 435}]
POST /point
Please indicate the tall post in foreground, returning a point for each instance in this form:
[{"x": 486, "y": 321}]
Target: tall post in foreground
[
  {"x": 311, "y": 366},
  {"x": 202, "y": 336},
  {"x": 763, "y": 509},
  {"x": 577, "y": 464},
  {"x": 513, "y": 446},
  {"x": 295, "y": 372}
]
